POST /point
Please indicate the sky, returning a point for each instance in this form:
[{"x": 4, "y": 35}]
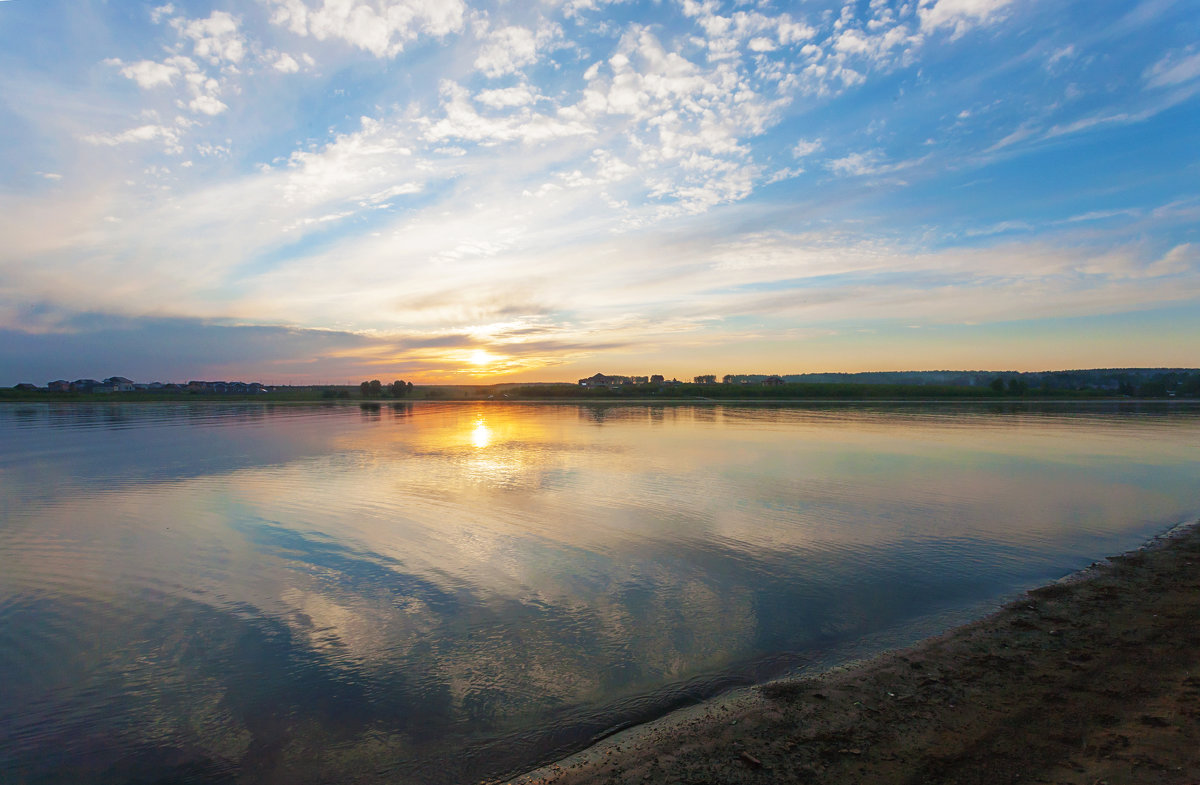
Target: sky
[{"x": 326, "y": 191}]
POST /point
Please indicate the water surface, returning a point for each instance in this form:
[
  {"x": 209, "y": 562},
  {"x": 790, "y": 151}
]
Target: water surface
[{"x": 433, "y": 593}]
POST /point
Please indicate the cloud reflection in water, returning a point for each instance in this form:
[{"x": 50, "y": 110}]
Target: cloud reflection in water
[{"x": 423, "y": 590}]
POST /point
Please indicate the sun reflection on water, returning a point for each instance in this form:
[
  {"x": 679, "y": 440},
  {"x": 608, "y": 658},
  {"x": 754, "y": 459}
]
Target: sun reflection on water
[{"x": 482, "y": 435}]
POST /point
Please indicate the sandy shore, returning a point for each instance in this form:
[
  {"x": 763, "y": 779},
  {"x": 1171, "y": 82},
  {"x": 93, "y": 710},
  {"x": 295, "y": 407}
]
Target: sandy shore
[{"x": 1095, "y": 679}]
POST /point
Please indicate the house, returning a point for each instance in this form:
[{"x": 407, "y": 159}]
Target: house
[
  {"x": 602, "y": 380},
  {"x": 118, "y": 384},
  {"x": 26, "y": 387},
  {"x": 59, "y": 385},
  {"x": 84, "y": 385},
  {"x": 772, "y": 381}
]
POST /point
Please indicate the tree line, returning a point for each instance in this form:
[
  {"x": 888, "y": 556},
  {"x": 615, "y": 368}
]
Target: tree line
[{"x": 376, "y": 389}]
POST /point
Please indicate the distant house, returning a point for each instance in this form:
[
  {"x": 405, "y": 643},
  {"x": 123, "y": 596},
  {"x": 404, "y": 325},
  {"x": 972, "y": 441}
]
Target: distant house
[
  {"x": 26, "y": 387},
  {"x": 657, "y": 379},
  {"x": 59, "y": 385},
  {"x": 84, "y": 385},
  {"x": 772, "y": 381},
  {"x": 603, "y": 380},
  {"x": 118, "y": 384}
]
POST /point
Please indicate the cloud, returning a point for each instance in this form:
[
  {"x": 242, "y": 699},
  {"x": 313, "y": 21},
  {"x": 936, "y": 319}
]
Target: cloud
[
  {"x": 1023, "y": 132},
  {"x": 382, "y": 28},
  {"x": 506, "y": 97},
  {"x": 959, "y": 16},
  {"x": 508, "y": 49},
  {"x": 1173, "y": 68},
  {"x": 142, "y": 133},
  {"x": 147, "y": 73},
  {"x": 215, "y": 39},
  {"x": 805, "y": 147},
  {"x": 1183, "y": 258},
  {"x": 174, "y": 349},
  {"x": 460, "y": 120},
  {"x": 206, "y": 104},
  {"x": 871, "y": 162},
  {"x": 285, "y": 63}
]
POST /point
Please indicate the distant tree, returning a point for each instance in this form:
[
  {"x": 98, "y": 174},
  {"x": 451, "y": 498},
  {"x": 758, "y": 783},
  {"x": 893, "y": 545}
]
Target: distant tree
[
  {"x": 1153, "y": 388},
  {"x": 997, "y": 384},
  {"x": 410, "y": 387},
  {"x": 1190, "y": 384},
  {"x": 371, "y": 389},
  {"x": 398, "y": 389},
  {"x": 1017, "y": 386}
]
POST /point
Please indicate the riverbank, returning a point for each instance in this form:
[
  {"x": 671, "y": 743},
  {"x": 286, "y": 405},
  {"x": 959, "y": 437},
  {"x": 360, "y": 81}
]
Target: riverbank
[{"x": 1094, "y": 679}]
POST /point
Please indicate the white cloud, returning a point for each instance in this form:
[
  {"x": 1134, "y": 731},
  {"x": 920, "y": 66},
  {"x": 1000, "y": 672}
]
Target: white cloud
[
  {"x": 507, "y": 50},
  {"x": 1174, "y": 68},
  {"x": 206, "y": 104},
  {"x": 1056, "y": 57},
  {"x": 285, "y": 63},
  {"x": 381, "y": 27},
  {"x": 142, "y": 133},
  {"x": 960, "y": 15},
  {"x": 463, "y": 122},
  {"x": 520, "y": 95},
  {"x": 871, "y": 162},
  {"x": 215, "y": 39},
  {"x": 1024, "y": 131},
  {"x": 147, "y": 73},
  {"x": 161, "y": 12},
  {"x": 806, "y": 147},
  {"x": 1184, "y": 258}
]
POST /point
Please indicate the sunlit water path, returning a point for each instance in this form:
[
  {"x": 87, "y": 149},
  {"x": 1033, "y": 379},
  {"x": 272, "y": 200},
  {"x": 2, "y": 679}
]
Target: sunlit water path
[{"x": 425, "y": 593}]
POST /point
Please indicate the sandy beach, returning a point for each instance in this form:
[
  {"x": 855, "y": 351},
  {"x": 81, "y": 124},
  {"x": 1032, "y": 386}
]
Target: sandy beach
[{"x": 1094, "y": 679}]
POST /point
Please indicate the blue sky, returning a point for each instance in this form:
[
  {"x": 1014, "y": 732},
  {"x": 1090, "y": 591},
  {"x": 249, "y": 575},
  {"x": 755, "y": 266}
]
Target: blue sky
[{"x": 332, "y": 190}]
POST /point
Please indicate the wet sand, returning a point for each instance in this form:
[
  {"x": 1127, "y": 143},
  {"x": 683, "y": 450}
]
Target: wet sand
[{"x": 1095, "y": 679}]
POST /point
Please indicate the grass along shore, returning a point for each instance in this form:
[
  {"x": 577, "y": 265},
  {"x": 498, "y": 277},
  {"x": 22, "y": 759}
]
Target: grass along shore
[
  {"x": 567, "y": 393},
  {"x": 1094, "y": 679}
]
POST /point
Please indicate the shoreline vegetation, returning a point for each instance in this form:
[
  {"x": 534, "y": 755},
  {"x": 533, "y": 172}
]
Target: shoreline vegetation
[
  {"x": 1093, "y": 384},
  {"x": 567, "y": 393},
  {"x": 1091, "y": 679}
]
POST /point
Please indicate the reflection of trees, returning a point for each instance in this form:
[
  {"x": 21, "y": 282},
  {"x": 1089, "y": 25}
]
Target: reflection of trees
[{"x": 594, "y": 414}]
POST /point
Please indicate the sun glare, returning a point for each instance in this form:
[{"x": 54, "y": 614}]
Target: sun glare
[
  {"x": 480, "y": 357},
  {"x": 482, "y": 435}
]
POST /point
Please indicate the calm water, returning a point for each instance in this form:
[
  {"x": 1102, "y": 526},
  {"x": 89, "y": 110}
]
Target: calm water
[{"x": 438, "y": 593}]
